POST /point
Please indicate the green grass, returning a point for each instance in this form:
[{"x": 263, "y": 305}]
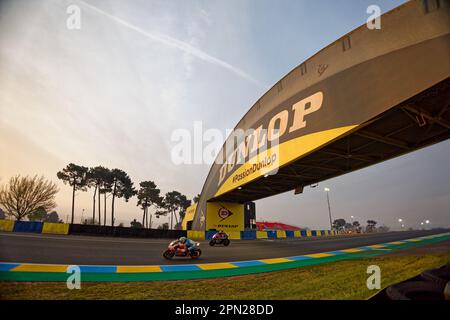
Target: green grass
[{"x": 337, "y": 280}]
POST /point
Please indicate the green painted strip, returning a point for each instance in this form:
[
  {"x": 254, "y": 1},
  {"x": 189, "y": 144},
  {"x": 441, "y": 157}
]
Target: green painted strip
[{"x": 203, "y": 274}]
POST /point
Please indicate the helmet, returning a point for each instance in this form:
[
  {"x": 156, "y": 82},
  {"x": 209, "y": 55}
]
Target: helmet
[{"x": 183, "y": 239}]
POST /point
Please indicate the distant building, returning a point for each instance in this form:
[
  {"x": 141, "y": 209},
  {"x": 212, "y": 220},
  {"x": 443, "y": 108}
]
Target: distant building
[{"x": 266, "y": 225}]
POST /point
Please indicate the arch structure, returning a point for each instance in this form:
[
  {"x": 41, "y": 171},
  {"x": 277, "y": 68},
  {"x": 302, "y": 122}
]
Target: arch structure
[{"x": 370, "y": 96}]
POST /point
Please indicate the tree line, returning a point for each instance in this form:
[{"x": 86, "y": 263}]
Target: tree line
[
  {"x": 34, "y": 197},
  {"x": 117, "y": 184},
  {"x": 342, "y": 225}
]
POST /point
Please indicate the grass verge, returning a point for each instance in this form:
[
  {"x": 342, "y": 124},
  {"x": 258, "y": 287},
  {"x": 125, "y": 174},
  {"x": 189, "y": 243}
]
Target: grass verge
[{"x": 337, "y": 280}]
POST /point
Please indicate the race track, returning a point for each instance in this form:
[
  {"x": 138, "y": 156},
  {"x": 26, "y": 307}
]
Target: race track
[{"x": 53, "y": 249}]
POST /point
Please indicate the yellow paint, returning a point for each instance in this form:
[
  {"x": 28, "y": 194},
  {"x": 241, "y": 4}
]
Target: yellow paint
[
  {"x": 319, "y": 255},
  {"x": 351, "y": 250},
  {"x": 189, "y": 216},
  {"x": 234, "y": 235},
  {"x": 6, "y": 225},
  {"x": 318, "y": 233},
  {"x": 377, "y": 246},
  {"x": 55, "y": 228},
  {"x": 215, "y": 266},
  {"x": 196, "y": 235},
  {"x": 413, "y": 240},
  {"x": 285, "y": 153},
  {"x": 308, "y": 233},
  {"x": 233, "y": 222},
  {"x": 275, "y": 260},
  {"x": 40, "y": 268},
  {"x": 396, "y": 242},
  {"x": 261, "y": 234},
  {"x": 281, "y": 234},
  {"x": 138, "y": 269},
  {"x": 297, "y": 234}
]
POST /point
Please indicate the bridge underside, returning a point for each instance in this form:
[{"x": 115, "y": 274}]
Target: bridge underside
[{"x": 416, "y": 123}]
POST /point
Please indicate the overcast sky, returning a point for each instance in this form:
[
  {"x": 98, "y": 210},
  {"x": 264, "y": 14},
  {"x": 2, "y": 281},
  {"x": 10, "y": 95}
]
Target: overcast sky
[{"x": 113, "y": 92}]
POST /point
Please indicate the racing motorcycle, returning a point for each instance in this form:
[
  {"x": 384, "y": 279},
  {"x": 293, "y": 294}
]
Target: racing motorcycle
[
  {"x": 219, "y": 239},
  {"x": 174, "y": 250}
]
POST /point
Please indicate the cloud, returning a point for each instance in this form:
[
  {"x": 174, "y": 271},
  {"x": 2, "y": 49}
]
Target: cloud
[{"x": 178, "y": 44}]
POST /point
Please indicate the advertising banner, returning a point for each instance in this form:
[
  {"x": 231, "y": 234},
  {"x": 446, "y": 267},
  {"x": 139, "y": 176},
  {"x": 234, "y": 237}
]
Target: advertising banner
[{"x": 225, "y": 216}]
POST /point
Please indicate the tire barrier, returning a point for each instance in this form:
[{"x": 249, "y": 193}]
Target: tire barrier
[
  {"x": 91, "y": 273},
  {"x": 109, "y": 231},
  {"x": 271, "y": 234},
  {"x": 248, "y": 235},
  {"x": 254, "y": 234},
  {"x": 416, "y": 290},
  {"x": 432, "y": 284},
  {"x": 290, "y": 234},
  {"x": 6, "y": 225},
  {"x": 208, "y": 234},
  {"x": 261, "y": 234},
  {"x": 281, "y": 234},
  {"x": 55, "y": 228},
  {"x": 234, "y": 235},
  {"x": 28, "y": 226},
  {"x": 440, "y": 276},
  {"x": 196, "y": 235},
  {"x": 87, "y": 230}
]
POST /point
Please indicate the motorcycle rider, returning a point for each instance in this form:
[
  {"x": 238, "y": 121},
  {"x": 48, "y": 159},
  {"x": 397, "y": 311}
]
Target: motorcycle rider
[
  {"x": 222, "y": 235},
  {"x": 187, "y": 243}
]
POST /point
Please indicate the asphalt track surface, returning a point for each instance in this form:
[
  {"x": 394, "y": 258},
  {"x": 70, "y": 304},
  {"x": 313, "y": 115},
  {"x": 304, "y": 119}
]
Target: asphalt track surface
[{"x": 82, "y": 250}]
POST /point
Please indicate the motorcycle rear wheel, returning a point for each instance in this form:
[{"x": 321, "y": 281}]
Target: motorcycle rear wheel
[{"x": 168, "y": 254}]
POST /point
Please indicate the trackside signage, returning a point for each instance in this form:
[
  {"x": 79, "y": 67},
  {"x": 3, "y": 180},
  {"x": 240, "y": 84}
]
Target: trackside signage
[
  {"x": 278, "y": 140},
  {"x": 224, "y": 216}
]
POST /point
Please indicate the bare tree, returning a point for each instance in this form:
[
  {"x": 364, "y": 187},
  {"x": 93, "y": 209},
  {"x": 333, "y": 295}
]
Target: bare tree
[{"x": 24, "y": 195}]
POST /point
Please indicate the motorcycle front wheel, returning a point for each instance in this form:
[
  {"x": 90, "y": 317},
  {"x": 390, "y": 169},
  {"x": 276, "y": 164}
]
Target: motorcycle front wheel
[
  {"x": 226, "y": 242},
  {"x": 197, "y": 253}
]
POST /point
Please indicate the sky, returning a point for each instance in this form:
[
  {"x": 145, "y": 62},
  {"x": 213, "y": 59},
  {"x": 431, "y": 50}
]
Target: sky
[{"x": 112, "y": 93}]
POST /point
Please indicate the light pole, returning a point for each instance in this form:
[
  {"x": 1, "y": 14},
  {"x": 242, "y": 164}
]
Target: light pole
[
  {"x": 327, "y": 190},
  {"x": 400, "y": 220}
]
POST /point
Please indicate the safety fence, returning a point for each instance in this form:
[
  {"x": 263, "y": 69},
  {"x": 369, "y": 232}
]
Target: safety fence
[
  {"x": 89, "y": 230},
  {"x": 34, "y": 227},
  {"x": 253, "y": 234},
  {"x": 109, "y": 231}
]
